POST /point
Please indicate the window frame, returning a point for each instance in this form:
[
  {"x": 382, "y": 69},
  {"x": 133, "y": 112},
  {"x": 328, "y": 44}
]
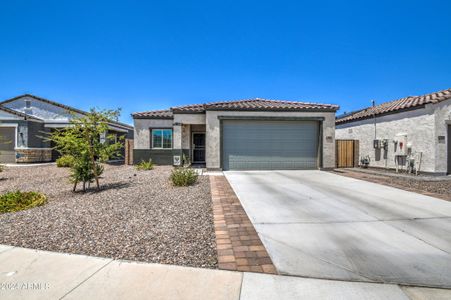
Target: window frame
[{"x": 162, "y": 138}]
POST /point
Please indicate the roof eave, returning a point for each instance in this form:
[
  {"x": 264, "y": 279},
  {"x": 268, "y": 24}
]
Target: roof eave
[
  {"x": 276, "y": 110},
  {"x": 184, "y": 112},
  {"x": 135, "y": 117},
  {"x": 339, "y": 122}
]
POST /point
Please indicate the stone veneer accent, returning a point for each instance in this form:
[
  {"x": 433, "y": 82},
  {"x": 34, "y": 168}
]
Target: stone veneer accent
[{"x": 33, "y": 155}]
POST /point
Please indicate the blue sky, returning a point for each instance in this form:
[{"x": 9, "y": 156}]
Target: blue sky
[{"x": 144, "y": 55}]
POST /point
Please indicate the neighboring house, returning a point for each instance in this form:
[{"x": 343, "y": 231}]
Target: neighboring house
[
  {"x": 25, "y": 121},
  {"x": 417, "y": 127},
  {"x": 254, "y": 134}
]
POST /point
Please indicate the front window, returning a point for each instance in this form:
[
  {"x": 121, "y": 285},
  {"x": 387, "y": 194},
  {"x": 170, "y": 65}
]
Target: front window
[{"x": 162, "y": 138}]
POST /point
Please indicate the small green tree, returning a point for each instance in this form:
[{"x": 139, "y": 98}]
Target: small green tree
[{"x": 90, "y": 145}]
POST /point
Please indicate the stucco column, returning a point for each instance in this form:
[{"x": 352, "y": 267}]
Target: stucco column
[{"x": 177, "y": 136}]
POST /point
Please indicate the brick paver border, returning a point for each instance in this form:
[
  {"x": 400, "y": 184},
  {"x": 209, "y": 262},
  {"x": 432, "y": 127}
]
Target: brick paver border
[{"x": 238, "y": 245}]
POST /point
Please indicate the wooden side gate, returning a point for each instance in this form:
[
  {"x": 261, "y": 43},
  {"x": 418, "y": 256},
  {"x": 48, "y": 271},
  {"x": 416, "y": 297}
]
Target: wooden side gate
[
  {"x": 347, "y": 152},
  {"x": 128, "y": 152}
]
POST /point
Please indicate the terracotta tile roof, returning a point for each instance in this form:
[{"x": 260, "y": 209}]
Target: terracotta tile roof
[
  {"x": 396, "y": 106},
  {"x": 193, "y": 108},
  {"x": 259, "y": 104},
  {"x": 256, "y": 104},
  {"x": 154, "y": 114}
]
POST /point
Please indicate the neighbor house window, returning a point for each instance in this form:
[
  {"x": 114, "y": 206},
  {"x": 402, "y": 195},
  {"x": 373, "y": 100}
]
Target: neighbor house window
[{"x": 162, "y": 138}]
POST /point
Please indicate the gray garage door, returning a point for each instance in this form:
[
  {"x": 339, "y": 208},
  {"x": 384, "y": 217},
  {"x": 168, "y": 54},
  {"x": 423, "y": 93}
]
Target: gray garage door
[
  {"x": 269, "y": 145},
  {"x": 7, "y": 144}
]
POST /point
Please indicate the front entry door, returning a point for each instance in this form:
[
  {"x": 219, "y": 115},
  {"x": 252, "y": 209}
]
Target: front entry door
[{"x": 198, "y": 147}]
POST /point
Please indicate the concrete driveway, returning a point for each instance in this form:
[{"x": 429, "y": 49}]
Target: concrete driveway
[{"x": 322, "y": 225}]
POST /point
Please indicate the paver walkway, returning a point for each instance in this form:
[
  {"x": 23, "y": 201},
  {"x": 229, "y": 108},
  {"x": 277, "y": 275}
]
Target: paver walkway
[
  {"x": 34, "y": 274},
  {"x": 239, "y": 247}
]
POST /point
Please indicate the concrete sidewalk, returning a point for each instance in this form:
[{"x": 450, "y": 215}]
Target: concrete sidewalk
[{"x": 33, "y": 274}]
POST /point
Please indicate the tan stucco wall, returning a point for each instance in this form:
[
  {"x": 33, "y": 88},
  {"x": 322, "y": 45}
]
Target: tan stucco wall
[
  {"x": 213, "y": 151},
  {"x": 423, "y": 126},
  {"x": 142, "y": 132},
  {"x": 182, "y": 133},
  {"x": 189, "y": 118},
  {"x": 442, "y": 120}
]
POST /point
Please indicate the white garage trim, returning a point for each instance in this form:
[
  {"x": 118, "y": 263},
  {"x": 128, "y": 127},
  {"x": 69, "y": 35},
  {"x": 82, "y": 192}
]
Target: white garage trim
[{"x": 16, "y": 126}]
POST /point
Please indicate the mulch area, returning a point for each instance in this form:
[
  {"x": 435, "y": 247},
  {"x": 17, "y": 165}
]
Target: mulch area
[
  {"x": 426, "y": 185},
  {"x": 238, "y": 244},
  {"x": 137, "y": 215}
]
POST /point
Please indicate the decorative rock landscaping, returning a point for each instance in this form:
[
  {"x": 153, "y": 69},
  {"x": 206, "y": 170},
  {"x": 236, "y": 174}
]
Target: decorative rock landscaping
[
  {"x": 434, "y": 186},
  {"x": 136, "y": 216}
]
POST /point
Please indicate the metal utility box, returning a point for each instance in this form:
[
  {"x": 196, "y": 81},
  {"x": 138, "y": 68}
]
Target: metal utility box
[
  {"x": 177, "y": 161},
  {"x": 400, "y": 144},
  {"x": 376, "y": 144},
  {"x": 384, "y": 144}
]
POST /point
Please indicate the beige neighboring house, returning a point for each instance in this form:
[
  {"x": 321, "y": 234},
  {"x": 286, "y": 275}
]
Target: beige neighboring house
[
  {"x": 416, "y": 128},
  {"x": 251, "y": 134}
]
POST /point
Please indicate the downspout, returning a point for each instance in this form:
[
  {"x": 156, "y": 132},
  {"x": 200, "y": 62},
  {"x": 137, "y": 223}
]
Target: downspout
[{"x": 374, "y": 118}]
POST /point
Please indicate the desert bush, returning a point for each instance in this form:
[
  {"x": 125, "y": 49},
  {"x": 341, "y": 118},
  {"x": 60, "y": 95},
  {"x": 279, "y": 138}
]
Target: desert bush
[
  {"x": 15, "y": 201},
  {"x": 186, "y": 161},
  {"x": 65, "y": 161},
  {"x": 183, "y": 176},
  {"x": 145, "y": 165},
  {"x": 82, "y": 171}
]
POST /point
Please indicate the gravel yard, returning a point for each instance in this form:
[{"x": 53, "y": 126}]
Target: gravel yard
[
  {"x": 138, "y": 215},
  {"x": 435, "y": 186}
]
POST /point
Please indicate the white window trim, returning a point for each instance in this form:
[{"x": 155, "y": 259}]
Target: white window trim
[{"x": 161, "y": 148}]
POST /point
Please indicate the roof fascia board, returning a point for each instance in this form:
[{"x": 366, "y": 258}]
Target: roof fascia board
[{"x": 269, "y": 118}]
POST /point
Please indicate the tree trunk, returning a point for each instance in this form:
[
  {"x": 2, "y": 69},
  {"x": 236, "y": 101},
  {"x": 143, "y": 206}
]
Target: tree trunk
[
  {"x": 94, "y": 168},
  {"x": 75, "y": 186},
  {"x": 93, "y": 161},
  {"x": 84, "y": 186}
]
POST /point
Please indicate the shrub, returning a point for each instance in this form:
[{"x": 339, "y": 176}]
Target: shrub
[
  {"x": 186, "y": 161},
  {"x": 183, "y": 176},
  {"x": 145, "y": 165},
  {"x": 65, "y": 161},
  {"x": 15, "y": 201},
  {"x": 82, "y": 171},
  {"x": 2, "y": 168}
]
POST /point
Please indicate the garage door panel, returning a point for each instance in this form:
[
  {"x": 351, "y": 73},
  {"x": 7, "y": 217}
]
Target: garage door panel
[
  {"x": 7, "y": 144},
  {"x": 270, "y": 145}
]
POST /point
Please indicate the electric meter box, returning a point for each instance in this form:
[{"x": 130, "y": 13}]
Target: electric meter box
[
  {"x": 376, "y": 144},
  {"x": 400, "y": 144}
]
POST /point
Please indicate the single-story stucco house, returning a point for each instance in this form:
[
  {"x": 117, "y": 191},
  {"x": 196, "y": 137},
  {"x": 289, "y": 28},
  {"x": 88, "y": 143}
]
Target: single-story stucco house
[
  {"x": 24, "y": 122},
  {"x": 414, "y": 128},
  {"x": 252, "y": 134}
]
